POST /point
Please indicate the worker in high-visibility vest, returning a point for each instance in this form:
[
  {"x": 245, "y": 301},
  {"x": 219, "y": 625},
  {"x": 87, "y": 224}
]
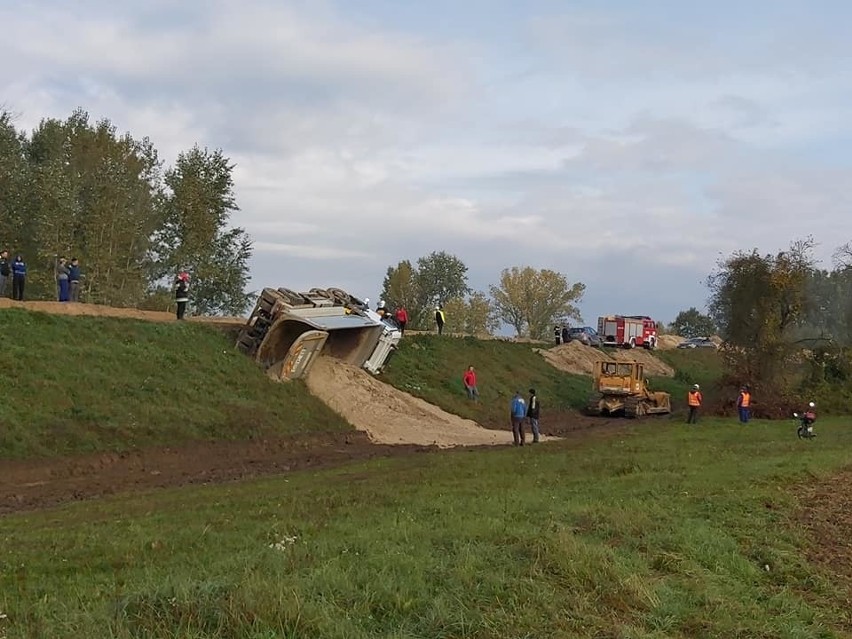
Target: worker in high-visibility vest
[
  {"x": 694, "y": 399},
  {"x": 744, "y": 404}
]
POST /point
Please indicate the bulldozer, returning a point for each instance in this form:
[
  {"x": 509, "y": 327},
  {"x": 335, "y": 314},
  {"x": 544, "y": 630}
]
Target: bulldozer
[{"x": 621, "y": 388}]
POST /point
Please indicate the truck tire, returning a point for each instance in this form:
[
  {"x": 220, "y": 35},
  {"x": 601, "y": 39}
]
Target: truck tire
[{"x": 292, "y": 297}]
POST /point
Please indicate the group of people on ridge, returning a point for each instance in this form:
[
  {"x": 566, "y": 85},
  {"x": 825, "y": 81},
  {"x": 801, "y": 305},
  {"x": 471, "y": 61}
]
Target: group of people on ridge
[
  {"x": 400, "y": 317},
  {"x": 67, "y": 277}
]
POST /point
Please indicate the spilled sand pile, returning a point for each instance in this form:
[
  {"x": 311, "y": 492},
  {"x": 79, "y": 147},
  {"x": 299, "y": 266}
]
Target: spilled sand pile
[
  {"x": 580, "y": 359},
  {"x": 389, "y": 415}
]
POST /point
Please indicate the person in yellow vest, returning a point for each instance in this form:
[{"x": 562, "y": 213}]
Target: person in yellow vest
[
  {"x": 744, "y": 404},
  {"x": 694, "y": 399}
]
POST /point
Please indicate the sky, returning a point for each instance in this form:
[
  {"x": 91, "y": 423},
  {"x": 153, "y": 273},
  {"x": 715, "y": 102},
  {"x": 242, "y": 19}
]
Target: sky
[{"x": 627, "y": 145}]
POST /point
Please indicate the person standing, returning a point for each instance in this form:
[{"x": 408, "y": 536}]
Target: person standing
[
  {"x": 19, "y": 278},
  {"x": 533, "y": 412},
  {"x": 440, "y": 319},
  {"x": 402, "y": 318},
  {"x": 557, "y": 335},
  {"x": 74, "y": 279},
  {"x": 182, "y": 294},
  {"x": 518, "y": 414},
  {"x": 5, "y": 272},
  {"x": 62, "y": 279},
  {"x": 469, "y": 380},
  {"x": 565, "y": 334},
  {"x": 694, "y": 399},
  {"x": 744, "y": 404}
]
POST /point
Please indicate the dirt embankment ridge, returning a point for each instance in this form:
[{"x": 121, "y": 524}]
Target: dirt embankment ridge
[
  {"x": 96, "y": 310},
  {"x": 389, "y": 415},
  {"x": 580, "y": 359}
]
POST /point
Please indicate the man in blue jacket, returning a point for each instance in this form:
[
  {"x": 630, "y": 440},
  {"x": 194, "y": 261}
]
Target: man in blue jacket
[
  {"x": 19, "y": 277},
  {"x": 519, "y": 414}
]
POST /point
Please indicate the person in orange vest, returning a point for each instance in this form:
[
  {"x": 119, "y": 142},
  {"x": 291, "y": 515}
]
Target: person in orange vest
[
  {"x": 694, "y": 399},
  {"x": 744, "y": 404}
]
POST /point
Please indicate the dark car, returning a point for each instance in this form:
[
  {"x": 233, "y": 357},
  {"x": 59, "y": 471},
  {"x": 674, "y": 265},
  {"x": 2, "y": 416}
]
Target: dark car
[
  {"x": 697, "y": 342},
  {"x": 585, "y": 335}
]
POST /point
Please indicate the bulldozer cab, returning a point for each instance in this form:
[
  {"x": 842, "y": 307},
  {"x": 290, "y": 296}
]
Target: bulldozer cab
[{"x": 619, "y": 378}]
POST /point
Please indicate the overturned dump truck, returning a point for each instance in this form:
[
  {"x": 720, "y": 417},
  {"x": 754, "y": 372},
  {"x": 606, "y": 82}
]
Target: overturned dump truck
[{"x": 288, "y": 330}]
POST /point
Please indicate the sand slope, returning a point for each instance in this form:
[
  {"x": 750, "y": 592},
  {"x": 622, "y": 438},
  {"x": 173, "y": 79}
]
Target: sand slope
[{"x": 390, "y": 416}]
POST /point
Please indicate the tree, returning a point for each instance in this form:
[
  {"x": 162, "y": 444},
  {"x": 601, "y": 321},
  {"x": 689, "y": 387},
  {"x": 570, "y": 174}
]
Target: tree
[
  {"x": 195, "y": 236},
  {"x": 531, "y": 301},
  {"x": 438, "y": 278},
  {"x": 95, "y": 195},
  {"x": 757, "y": 301},
  {"x": 16, "y": 231},
  {"x": 471, "y": 316},
  {"x": 399, "y": 289},
  {"x": 693, "y": 323}
]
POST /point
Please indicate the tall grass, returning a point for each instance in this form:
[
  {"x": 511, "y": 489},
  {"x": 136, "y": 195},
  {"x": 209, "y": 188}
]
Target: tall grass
[
  {"x": 83, "y": 384},
  {"x": 665, "y": 532}
]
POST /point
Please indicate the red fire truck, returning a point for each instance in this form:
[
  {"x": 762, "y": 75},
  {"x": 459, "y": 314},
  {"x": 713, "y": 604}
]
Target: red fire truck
[{"x": 628, "y": 331}]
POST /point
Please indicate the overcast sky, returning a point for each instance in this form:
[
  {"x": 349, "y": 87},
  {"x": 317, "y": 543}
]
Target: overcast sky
[{"x": 625, "y": 144}]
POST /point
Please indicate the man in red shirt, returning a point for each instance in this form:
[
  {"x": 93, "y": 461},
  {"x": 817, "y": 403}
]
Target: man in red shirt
[
  {"x": 402, "y": 318},
  {"x": 469, "y": 380}
]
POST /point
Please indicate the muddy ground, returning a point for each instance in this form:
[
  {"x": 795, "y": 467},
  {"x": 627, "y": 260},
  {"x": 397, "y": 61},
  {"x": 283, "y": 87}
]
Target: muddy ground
[
  {"x": 37, "y": 484},
  {"x": 826, "y": 517}
]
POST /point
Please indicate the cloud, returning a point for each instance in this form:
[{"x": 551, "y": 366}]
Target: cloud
[{"x": 628, "y": 148}]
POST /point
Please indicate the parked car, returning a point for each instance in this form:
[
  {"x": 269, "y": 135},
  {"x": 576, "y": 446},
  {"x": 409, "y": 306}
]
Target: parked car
[
  {"x": 585, "y": 335},
  {"x": 697, "y": 342}
]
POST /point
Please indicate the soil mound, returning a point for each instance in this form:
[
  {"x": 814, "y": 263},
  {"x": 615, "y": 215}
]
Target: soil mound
[
  {"x": 390, "y": 416},
  {"x": 573, "y": 357},
  {"x": 579, "y": 359},
  {"x": 654, "y": 366},
  {"x": 668, "y": 342}
]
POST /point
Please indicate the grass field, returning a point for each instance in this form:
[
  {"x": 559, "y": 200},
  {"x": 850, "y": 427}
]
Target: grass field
[
  {"x": 431, "y": 367},
  {"x": 663, "y": 532},
  {"x": 84, "y": 384}
]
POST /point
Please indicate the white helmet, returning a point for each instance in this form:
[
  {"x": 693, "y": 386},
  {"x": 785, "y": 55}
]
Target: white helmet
[
  {"x": 696, "y": 386},
  {"x": 811, "y": 404}
]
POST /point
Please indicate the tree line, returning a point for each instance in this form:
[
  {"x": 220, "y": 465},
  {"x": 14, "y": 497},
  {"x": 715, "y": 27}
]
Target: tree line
[
  {"x": 529, "y": 300},
  {"x": 79, "y": 188},
  {"x": 786, "y": 325}
]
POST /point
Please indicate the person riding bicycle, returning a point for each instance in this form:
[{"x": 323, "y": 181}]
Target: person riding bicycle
[{"x": 809, "y": 416}]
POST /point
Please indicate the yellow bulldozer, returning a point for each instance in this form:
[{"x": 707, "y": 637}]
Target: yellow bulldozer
[{"x": 621, "y": 388}]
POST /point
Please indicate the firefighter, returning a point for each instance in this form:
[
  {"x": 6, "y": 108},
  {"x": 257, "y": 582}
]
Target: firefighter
[
  {"x": 744, "y": 404},
  {"x": 557, "y": 335},
  {"x": 694, "y": 400}
]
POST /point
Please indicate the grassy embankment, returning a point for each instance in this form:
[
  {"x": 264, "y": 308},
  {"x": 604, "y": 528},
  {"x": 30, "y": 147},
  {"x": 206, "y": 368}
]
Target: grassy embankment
[
  {"x": 665, "y": 532},
  {"x": 84, "y": 384},
  {"x": 431, "y": 367}
]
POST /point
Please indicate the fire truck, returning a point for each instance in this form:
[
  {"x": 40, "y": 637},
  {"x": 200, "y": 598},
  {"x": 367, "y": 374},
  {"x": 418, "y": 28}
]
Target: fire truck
[{"x": 628, "y": 331}]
